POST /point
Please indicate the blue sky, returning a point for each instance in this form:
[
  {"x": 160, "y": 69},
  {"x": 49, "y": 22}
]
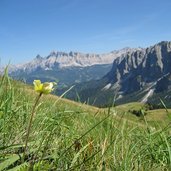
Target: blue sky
[{"x": 31, "y": 27}]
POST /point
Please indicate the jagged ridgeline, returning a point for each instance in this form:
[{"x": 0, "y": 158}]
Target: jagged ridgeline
[
  {"x": 66, "y": 68},
  {"x": 143, "y": 75},
  {"x": 121, "y": 76}
]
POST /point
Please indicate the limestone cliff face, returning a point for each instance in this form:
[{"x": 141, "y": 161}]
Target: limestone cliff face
[
  {"x": 136, "y": 69},
  {"x": 64, "y": 60},
  {"x": 135, "y": 76},
  {"x": 67, "y": 68}
]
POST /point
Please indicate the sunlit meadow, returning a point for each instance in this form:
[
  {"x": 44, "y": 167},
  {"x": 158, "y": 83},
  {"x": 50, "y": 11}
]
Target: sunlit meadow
[{"x": 42, "y": 132}]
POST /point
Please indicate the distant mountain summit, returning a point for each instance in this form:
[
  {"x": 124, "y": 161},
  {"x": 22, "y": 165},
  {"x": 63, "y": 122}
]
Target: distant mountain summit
[
  {"x": 71, "y": 59},
  {"x": 68, "y": 68},
  {"x": 135, "y": 76}
]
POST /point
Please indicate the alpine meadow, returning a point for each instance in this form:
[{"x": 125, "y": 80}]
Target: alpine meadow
[
  {"x": 85, "y": 85},
  {"x": 40, "y": 131}
]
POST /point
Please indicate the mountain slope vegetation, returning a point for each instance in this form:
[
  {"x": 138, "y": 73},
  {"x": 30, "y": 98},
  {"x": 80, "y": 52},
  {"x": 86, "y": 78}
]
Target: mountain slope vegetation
[{"x": 66, "y": 135}]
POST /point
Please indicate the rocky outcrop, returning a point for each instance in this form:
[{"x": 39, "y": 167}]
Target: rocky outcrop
[
  {"x": 135, "y": 76},
  {"x": 136, "y": 69},
  {"x": 67, "y": 60},
  {"x": 67, "y": 68}
]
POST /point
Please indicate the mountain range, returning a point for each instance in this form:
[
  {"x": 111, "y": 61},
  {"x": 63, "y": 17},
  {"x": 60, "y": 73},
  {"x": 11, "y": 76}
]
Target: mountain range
[
  {"x": 143, "y": 75},
  {"x": 121, "y": 76},
  {"x": 66, "y": 68}
]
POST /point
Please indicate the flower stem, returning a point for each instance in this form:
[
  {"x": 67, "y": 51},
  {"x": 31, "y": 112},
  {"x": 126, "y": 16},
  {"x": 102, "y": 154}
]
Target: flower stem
[{"x": 30, "y": 123}]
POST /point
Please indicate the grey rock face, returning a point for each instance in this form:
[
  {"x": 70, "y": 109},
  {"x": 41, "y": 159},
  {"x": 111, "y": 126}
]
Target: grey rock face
[
  {"x": 134, "y": 75},
  {"x": 135, "y": 69},
  {"x": 68, "y": 68},
  {"x": 67, "y": 60}
]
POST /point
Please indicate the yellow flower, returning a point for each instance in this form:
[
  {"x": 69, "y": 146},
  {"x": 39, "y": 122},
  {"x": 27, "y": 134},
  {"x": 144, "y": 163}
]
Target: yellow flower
[{"x": 44, "y": 88}]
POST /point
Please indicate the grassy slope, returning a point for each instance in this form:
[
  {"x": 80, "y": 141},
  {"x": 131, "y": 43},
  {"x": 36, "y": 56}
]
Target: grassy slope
[
  {"x": 157, "y": 117},
  {"x": 66, "y": 135}
]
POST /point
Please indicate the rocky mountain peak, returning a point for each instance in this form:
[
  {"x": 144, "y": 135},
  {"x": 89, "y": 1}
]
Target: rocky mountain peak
[
  {"x": 137, "y": 68},
  {"x": 137, "y": 75},
  {"x": 39, "y": 57},
  {"x": 72, "y": 59}
]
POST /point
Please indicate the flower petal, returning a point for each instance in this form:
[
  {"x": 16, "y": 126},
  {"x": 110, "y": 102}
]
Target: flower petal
[
  {"x": 44, "y": 88},
  {"x": 47, "y": 87},
  {"x": 38, "y": 85}
]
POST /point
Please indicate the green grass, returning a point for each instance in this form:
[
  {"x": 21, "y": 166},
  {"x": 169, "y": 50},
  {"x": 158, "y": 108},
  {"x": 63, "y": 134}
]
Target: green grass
[
  {"x": 160, "y": 117},
  {"x": 66, "y": 135}
]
